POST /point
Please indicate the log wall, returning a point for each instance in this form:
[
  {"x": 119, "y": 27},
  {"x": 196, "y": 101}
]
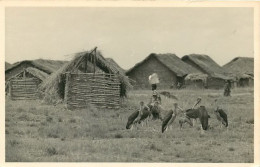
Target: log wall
[
  {"x": 102, "y": 90},
  {"x": 23, "y": 89}
]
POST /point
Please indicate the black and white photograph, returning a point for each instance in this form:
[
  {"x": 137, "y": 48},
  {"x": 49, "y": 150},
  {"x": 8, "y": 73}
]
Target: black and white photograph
[{"x": 131, "y": 84}]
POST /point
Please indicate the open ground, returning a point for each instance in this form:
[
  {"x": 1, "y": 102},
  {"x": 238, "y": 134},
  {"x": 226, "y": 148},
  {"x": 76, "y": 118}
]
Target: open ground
[{"x": 39, "y": 132}]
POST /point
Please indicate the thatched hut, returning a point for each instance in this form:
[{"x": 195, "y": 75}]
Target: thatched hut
[
  {"x": 24, "y": 85},
  {"x": 203, "y": 63},
  {"x": 88, "y": 78},
  {"x": 170, "y": 69},
  {"x": 196, "y": 80},
  {"x": 47, "y": 66},
  {"x": 243, "y": 69}
]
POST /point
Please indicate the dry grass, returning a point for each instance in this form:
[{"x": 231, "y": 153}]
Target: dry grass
[{"x": 41, "y": 132}]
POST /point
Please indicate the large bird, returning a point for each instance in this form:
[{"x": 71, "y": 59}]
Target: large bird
[
  {"x": 200, "y": 113},
  {"x": 190, "y": 113},
  {"x": 131, "y": 119},
  {"x": 203, "y": 116},
  {"x": 155, "y": 110},
  {"x": 184, "y": 120},
  {"x": 169, "y": 118},
  {"x": 139, "y": 115},
  {"x": 221, "y": 116},
  {"x": 144, "y": 113}
]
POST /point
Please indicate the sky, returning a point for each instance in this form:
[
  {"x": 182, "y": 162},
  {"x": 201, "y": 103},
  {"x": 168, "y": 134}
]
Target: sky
[{"x": 127, "y": 35}]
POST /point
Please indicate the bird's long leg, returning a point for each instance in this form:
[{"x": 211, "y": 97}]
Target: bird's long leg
[
  {"x": 132, "y": 127},
  {"x": 202, "y": 131}
]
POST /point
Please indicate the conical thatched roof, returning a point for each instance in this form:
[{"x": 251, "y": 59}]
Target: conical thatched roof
[
  {"x": 171, "y": 61},
  {"x": 206, "y": 65},
  {"x": 51, "y": 86},
  {"x": 240, "y": 65}
]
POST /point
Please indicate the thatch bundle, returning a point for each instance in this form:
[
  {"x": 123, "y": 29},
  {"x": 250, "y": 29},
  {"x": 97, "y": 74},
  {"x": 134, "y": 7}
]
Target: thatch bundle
[
  {"x": 196, "y": 77},
  {"x": 54, "y": 86}
]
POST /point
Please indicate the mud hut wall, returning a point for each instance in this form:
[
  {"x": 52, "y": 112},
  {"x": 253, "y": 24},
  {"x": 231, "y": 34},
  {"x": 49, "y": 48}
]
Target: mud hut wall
[
  {"x": 245, "y": 82},
  {"x": 215, "y": 83},
  {"x": 101, "y": 90},
  {"x": 141, "y": 74},
  {"x": 194, "y": 84},
  {"x": 23, "y": 88}
]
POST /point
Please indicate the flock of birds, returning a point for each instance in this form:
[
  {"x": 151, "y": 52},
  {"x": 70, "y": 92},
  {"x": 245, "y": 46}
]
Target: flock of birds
[{"x": 153, "y": 112}]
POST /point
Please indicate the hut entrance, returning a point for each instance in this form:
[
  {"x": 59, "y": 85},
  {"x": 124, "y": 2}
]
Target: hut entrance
[
  {"x": 100, "y": 89},
  {"x": 23, "y": 89}
]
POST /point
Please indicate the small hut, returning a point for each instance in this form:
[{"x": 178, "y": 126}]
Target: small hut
[
  {"x": 203, "y": 63},
  {"x": 245, "y": 80},
  {"x": 87, "y": 79},
  {"x": 196, "y": 80},
  {"x": 24, "y": 85},
  {"x": 47, "y": 66},
  {"x": 170, "y": 69},
  {"x": 243, "y": 69}
]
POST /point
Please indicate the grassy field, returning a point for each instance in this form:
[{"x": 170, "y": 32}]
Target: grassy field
[{"x": 40, "y": 132}]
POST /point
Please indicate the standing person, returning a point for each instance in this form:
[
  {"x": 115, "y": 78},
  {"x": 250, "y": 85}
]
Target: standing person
[
  {"x": 154, "y": 80},
  {"x": 227, "y": 88}
]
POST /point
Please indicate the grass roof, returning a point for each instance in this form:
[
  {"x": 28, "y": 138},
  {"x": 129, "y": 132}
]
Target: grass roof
[
  {"x": 196, "y": 76},
  {"x": 171, "y": 61},
  {"x": 37, "y": 73},
  {"x": 51, "y": 86},
  {"x": 115, "y": 65},
  {"x": 7, "y": 65},
  {"x": 34, "y": 72},
  {"x": 48, "y": 66},
  {"x": 206, "y": 65},
  {"x": 240, "y": 65}
]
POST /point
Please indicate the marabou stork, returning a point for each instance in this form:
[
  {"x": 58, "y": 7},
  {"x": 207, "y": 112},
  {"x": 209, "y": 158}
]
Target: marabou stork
[
  {"x": 169, "y": 118},
  {"x": 139, "y": 115},
  {"x": 155, "y": 110},
  {"x": 200, "y": 113},
  {"x": 221, "y": 116},
  {"x": 190, "y": 113},
  {"x": 131, "y": 119},
  {"x": 184, "y": 120},
  {"x": 203, "y": 116},
  {"x": 144, "y": 113}
]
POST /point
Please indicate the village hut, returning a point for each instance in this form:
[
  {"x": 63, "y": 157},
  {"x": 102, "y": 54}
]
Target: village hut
[
  {"x": 47, "y": 66},
  {"x": 170, "y": 69},
  {"x": 216, "y": 75},
  {"x": 196, "y": 80},
  {"x": 24, "y": 85},
  {"x": 243, "y": 69},
  {"x": 87, "y": 79}
]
